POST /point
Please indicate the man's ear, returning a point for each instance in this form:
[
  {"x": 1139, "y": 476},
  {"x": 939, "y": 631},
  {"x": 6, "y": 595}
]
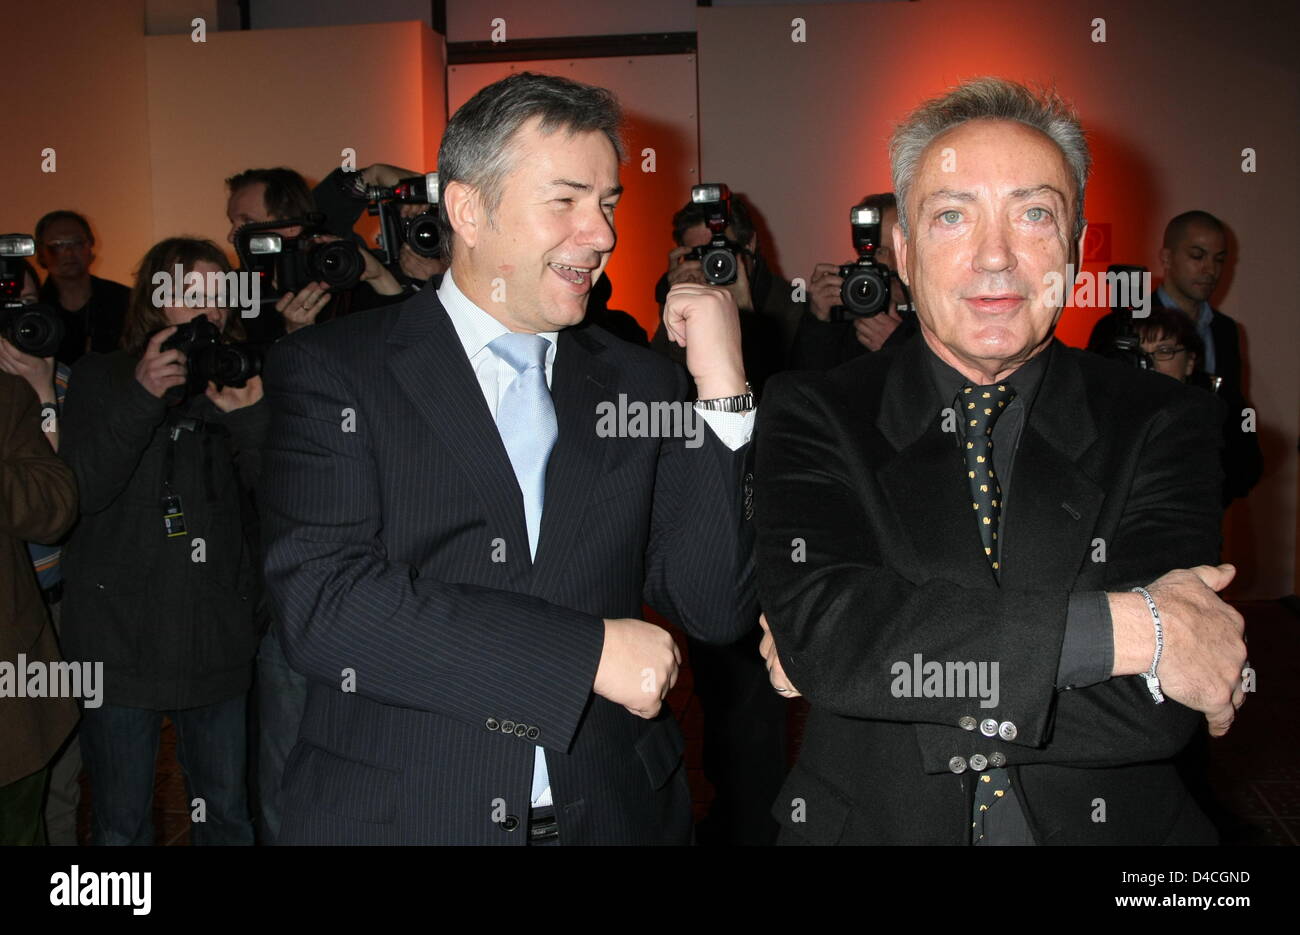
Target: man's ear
[
  {"x": 463, "y": 210},
  {"x": 1191, "y": 365},
  {"x": 1078, "y": 252},
  {"x": 1166, "y": 257},
  {"x": 900, "y": 253}
]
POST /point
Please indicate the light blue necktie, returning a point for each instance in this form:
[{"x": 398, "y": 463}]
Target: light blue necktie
[{"x": 526, "y": 421}]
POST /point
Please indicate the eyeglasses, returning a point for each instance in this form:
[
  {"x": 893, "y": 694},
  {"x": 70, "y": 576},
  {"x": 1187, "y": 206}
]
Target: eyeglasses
[
  {"x": 1166, "y": 352},
  {"x": 58, "y": 246}
]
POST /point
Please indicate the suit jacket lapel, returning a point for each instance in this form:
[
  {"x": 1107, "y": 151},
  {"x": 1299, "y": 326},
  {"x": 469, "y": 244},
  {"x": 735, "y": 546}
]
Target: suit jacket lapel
[
  {"x": 580, "y": 380},
  {"x": 925, "y": 484},
  {"x": 430, "y": 365},
  {"x": 1053, "y": 506}
]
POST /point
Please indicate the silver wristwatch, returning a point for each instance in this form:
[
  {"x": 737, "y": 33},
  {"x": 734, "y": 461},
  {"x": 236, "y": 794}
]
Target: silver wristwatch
[{"x": 742, "y": 403}]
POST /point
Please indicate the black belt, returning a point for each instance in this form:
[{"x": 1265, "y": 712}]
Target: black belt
[
  {"x": 542, "y": 827},
  {"x": 53, "y": 594}
]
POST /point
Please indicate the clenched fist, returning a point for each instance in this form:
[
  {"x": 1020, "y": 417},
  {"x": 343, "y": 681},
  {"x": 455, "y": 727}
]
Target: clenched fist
[
  {"x": 638, "y": 665},
  {"x": 705, "y": 321}
]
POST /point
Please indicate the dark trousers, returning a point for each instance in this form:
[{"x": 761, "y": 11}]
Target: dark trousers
[
  {"x": 744, "y": 741},
  {"x": 120, "y": 748},
  {"x": 281, "y": 698}
]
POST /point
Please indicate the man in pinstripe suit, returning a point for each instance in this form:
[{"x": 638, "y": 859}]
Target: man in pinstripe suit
[{"x": 458, "y": 556}]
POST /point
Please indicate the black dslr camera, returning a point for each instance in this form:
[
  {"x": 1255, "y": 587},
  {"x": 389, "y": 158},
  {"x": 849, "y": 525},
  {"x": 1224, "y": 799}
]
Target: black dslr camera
[
  {"x": 719, "y": 256},
  {"x": 33, "y": 329},
  {"x": 208, "y": 359},
  {"x": 286, "y": 264},
  {"x": 1126, "y": 346},
  {"x": 419, "y": 232},
  {"x": 865, "y": 291}
]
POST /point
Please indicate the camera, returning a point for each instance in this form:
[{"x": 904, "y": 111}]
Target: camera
[
  {"x": 33, "y": 329},
  {"x": 208, "y": 359},
  {"x": 1126, "y": 346},
  {"x": 420, "y": 232},
  {"x": 865, "y": 291},
  {"x": 719, "y": 257},
  {"x": 286, "y": 264}
]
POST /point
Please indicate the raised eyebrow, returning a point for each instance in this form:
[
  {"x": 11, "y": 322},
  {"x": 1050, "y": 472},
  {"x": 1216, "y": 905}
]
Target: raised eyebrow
[
  {"x": 1037, "y": 190},
  {"x": 584, "y": 187},
  {"x": 950, "y": 194}
]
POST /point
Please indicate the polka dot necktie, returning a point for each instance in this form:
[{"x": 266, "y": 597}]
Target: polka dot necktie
[{"x": 980, "y": 407}]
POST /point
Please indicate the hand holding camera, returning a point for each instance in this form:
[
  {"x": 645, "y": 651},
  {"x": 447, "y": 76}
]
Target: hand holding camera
[{"x": 161, "y": 368}]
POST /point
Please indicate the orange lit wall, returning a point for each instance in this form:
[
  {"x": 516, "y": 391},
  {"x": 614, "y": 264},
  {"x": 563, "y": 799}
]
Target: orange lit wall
[
  {"x": 1170, "y": 99},
  {"x": 293, "y": 97},
  {"x": 77, "y": 84}
]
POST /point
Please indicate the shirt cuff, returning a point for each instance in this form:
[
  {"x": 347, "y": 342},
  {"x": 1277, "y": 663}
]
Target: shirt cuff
[
  {"x": 734, "y": 429},
  {"x": 1088, "y": 650}
]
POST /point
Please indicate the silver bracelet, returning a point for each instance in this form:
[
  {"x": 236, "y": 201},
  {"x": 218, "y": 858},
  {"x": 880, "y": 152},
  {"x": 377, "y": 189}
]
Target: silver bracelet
[{"x": 1153, "y": 683}]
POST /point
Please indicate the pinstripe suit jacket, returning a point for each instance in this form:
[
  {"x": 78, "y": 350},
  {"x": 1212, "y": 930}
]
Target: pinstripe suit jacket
[{"x": 388, "y": 504}]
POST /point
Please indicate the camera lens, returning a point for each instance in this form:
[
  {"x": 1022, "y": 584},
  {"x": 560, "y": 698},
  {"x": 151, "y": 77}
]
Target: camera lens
[
  {"x": 719, "y": 267},
  {"x": 422, "y": 235},
  {"x": 36, "y": 330},
  {"x": 337, "y": 264},
  {"x": 865, "y": 293}
]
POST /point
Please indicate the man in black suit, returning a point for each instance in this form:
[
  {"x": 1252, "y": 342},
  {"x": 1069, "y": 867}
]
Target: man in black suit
[
  {"x": 1193, "y": 255},
  {"x": 460, "y": 535},
  {"x": 949, "y": 531}
]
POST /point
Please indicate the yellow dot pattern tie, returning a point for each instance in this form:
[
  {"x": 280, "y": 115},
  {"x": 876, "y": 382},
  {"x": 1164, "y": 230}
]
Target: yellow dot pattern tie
[{"x": 980, "y": 407}]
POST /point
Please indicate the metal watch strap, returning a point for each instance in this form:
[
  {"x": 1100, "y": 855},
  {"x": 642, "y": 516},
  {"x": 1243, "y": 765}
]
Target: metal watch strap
[{"x": 742, "y": 403}]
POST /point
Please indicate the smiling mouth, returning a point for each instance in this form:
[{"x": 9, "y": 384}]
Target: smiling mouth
[{"x": 575, "y": 275}]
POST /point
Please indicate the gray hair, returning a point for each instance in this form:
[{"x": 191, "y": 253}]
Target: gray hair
[
  {"x": 478, "y": 146},
  {"x": 1042, "y": 109}
]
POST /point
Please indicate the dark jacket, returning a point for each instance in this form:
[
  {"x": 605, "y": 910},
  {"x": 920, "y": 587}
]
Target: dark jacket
[
  {"x": 1243, "y": 461},
  {"x": 855, "y": 464},
  {"x": 97, "y": 325},
  {"x": 399, "y": 551},
  {"x": 173, "y": 631},
  {"x": 38, "y": 502}
]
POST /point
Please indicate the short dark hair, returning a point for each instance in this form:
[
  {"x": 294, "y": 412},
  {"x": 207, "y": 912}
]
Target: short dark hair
[
  {"x": 1173, "y": 323},
  {"x": 286, "y": 194},
  {"x": 1176, "y": 229},
  {"x": 478, "y": 145},
  {"x": 62, "y": 215},
  {"x": 741, "y": 221}
]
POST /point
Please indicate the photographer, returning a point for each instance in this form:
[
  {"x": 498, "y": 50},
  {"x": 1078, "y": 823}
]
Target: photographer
[
  {"x": 261, "y": 195},
  {"x": 768, "y": 313},
  {"x": 92, "y": 308},
  {"x": 342, "y": 197},
  {"x": 49, "y": 381},
  {"x": 823, "y": 343},
  {"x": 160, "y": 579}
]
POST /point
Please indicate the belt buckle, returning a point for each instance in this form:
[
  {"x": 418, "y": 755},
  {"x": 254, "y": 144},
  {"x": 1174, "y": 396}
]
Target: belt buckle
[{"x": 541, "y": 830}]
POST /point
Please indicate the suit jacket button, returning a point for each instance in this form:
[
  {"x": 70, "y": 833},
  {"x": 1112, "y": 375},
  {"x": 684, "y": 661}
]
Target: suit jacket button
[
  {"x": 509, "y": 823},
  {"x": 989, "y": 727},
  {"x": 1007, "y": 730},
  {"x": 492, "y": 724},
  {"x": 532, "y": 733},
  {"x": 521, "y": 730},
  {"x": 997, "y": 759},
  {"x": 957, "y": 765},
  {"x": 507, "y": 727},
  {"x": 978, "y": 762},
  {"x": 966, "y": 723}
]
